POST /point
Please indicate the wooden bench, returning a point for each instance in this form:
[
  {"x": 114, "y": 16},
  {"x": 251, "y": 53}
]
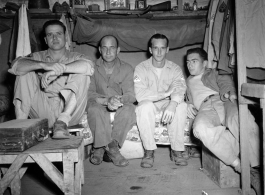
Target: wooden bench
[
  {"x": 68, "y": 151},
  {"x": 132, "y": 147}
]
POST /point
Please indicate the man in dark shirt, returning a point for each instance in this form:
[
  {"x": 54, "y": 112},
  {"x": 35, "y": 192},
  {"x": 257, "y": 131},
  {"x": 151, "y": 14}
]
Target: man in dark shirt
[{"x": 111, "y": 90}]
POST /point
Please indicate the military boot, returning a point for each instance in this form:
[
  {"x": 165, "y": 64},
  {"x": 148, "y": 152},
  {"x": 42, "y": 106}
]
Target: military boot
[
  {"x": 178, "y": 158},
  {"x": 148, "y": 159},
  {"x": 114, "y": 154}
]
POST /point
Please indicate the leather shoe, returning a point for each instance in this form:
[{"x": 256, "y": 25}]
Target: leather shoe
[
  {"x": 194, "y": 152},
  {"x": 148, "y": 159},
  {"x": 178, "y": 158},
  {"x": 97, "y": 155},
  {"x": 60, "y": 130},
  {"x": 185, "y": 154},
  {"x": 114, "y": 154}
]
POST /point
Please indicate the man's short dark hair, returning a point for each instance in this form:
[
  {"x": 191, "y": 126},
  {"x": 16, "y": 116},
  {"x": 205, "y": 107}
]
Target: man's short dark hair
[
  {"x": 200, "y": 51},
  {"x": 117, "y": 41},
  {"x": 53, "y": 22},
  {"x": 157, "y": 36}
]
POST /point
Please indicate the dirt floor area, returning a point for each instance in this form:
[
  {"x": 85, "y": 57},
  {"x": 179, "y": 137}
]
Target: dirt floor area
[{"x": 106, "y": 179}]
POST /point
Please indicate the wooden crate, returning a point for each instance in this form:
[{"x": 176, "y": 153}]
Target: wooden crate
[{"x": 224, "y": 176}]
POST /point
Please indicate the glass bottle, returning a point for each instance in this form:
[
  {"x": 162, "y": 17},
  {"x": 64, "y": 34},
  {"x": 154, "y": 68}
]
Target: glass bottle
[{"x": 195, "y": 5}]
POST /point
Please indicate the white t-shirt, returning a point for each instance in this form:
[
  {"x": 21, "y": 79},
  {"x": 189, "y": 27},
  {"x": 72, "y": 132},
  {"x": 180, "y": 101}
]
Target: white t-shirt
[
  {"x": 158, "y": 72},
  {"x": 198, "y": 91}
]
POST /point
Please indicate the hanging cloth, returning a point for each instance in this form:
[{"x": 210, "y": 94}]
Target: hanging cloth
[
  {"x": 133, "y": 35},
  {"x": 224, "y": 44},
  {"x": 23, "y": 41},
  {"x": 207, "y": 45},
  {"x": 68, "y": 34},
  {"x": 217, "y": 34},
  {"x": 254, "y": 33}
]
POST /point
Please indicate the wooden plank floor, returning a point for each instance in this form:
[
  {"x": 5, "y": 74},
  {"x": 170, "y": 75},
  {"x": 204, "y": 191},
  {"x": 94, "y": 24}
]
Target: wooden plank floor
[{"x": 164, "y": 178}]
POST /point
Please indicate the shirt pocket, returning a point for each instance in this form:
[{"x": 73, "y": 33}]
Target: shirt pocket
[
  {"x": 150, "y": 83},
  {"x": 117, "y": 87}
]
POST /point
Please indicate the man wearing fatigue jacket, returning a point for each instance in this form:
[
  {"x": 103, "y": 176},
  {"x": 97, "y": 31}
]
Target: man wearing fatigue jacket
[
  {"x": 111, "y": 90},
  {"x": 160, "y": 86}
]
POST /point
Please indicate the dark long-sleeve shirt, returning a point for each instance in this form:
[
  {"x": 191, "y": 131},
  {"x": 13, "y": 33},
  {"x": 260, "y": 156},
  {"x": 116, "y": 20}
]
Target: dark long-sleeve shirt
[{"x": 120, "y": 82}]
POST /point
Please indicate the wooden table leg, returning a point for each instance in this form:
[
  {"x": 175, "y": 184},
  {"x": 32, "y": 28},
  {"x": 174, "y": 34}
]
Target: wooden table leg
[
  {"x": 55, "y": 175},
  {"x": 68, "y": 173},
  {"x": 82, "y": 158},
  {"x": 78, "y": 173},
  {"x": 15, "y": 185},
  {"x": 13, "y": 174}
]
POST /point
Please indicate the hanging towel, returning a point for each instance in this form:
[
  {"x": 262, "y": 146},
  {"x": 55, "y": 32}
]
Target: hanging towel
[
  {"x": 207, "y": 45},
  {"x": 23, "y": 41},
  {"x": 254, "y": 34},
  {"x": 67, "y": 33}
]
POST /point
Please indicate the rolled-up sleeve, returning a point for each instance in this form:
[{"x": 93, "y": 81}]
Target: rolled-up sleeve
[
  {"x": 90, "y": 63},
  {"x": 178, "y": 94},
  {"x": 13, "y": 69}
]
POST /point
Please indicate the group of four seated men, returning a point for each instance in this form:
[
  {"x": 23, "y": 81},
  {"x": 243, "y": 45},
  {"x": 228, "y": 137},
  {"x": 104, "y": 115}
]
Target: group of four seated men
[{"x": 61, "y": 85}]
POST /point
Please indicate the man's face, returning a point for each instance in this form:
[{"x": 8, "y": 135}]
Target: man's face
[
  {"x": 55, "y": 37},
  {"x": 195, "y": 64},
  {"x": 109, "y": 49},
  {"x": 159, "y": 49}
]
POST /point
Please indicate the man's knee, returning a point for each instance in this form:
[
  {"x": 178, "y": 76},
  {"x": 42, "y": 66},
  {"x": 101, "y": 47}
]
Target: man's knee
[
  {"x": 198, "y": 130},
  {"x": 145, "y": 108},
  {"x": 128, "y": 110},
  {"x": 181, "y": 108},
  {"x": 30, "y": 78},
  {"x": 94, "y": 109}
]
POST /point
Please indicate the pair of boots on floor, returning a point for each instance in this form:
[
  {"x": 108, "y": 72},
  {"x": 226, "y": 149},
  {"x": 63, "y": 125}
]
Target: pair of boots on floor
[
  {"x": 180, "y": 158},
  {"x": 113, "y": 153}
]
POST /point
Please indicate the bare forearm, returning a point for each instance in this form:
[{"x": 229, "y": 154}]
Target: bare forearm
[
  {"x": 80, "y": 67},
  {"x": 27, "y": 65}
]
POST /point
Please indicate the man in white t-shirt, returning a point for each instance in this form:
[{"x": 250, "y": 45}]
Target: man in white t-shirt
[{"x": 212, "y": 102}]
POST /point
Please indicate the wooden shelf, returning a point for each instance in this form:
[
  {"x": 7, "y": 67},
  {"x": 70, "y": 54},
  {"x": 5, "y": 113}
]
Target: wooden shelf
[
  {"x": 171, "y": 15},
  {"x": 174, "y": 15}
]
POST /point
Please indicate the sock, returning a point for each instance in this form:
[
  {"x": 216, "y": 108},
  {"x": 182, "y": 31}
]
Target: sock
[
  {"x": 18, "y": 111},
  {"x": 237, "y": 165},
  {"x": 64, "y": 117}
]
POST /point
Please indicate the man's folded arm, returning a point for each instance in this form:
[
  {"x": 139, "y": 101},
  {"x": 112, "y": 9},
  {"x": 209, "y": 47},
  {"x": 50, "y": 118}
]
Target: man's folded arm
[
  {"x": 81, "y": 66},
  {"x": 23, "y": 65}
]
